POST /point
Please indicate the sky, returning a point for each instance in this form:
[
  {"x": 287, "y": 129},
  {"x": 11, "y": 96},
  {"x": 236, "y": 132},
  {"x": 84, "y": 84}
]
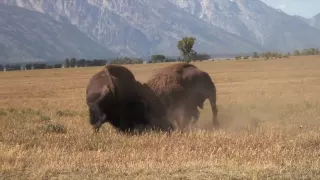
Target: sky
[{"x": 304, "y": 8}]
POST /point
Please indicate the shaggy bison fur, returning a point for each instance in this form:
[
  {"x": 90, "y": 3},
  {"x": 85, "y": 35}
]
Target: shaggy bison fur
[
  {"x": 113, "y": 95},
  {"x": 183, "y": 87}
]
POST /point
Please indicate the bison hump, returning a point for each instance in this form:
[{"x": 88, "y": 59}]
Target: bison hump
[
  {"x": 165, "y": 83},
  {"x": 95, "y": 95}
]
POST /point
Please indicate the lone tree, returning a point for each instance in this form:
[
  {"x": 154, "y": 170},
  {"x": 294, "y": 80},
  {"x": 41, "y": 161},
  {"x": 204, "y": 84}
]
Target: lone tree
[
  {"x": 73, "y": 62},
  {"x": 158, "y": 57},
  {"x": 67, "y": 63},
  {"x": 296, "y": 53},
  {"x": 185, "y": 46},
  {"x": 255, "y": 55}
]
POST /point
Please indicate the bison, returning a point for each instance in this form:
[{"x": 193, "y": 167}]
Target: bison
[
  {"x": 183, "y": 87},
  {"x": 114, "y": 95}
]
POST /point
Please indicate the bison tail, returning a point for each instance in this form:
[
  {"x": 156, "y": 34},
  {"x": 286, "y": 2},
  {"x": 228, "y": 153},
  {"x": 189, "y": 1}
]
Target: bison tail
[
  {"x": 96, "y": 117},
  {"x": 214, "y": 109}
]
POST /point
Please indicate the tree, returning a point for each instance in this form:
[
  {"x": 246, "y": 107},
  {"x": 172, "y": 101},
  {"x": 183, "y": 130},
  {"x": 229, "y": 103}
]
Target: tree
[
  {"x": 57, "y": 66},
  {"x": 39, "y": 66},
  {"x": 314, "y": 51},
  {"x": 66, "y": 63},
  {"x": 274, "y": 54},
  {"x": 200, "y": 57},
  {"x": 255, "y": 55},
  {"x": 158, "y": 57},
  {"x": 73, "y": 62},
  {"x": 185, "y": 46},
  {"x": 296, "y": 53},
  {"x": 238, "y": 57},
  {"x": 266, "y": 55},
  {"x": 306, "y": 52},
  {"x": 28, "y": 66},
  {"x": 81, "y": 63}
]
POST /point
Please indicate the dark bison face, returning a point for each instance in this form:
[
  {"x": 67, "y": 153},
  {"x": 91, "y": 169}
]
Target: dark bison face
[
  {"x": 136, "y": 114},
  {"x": 96, "y": 117},
  {"x": 151, "y": 117},
  {"x": 148, "y": 111}
]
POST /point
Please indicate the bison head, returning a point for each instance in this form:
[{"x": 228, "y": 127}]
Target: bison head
[{"x": 154, "y": 110}]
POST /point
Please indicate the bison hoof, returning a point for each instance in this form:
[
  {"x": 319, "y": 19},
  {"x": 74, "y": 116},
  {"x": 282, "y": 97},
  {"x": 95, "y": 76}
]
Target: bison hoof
[
  {"x": 95, "y": 130},
  {"x": 216, "y": 125}
]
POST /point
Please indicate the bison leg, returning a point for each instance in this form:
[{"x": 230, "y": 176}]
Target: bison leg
[
  {"x": 189, "y": 115},
  {"x": 195, "y": 116},
  {"x": 214, "y": 110},
  {"x": 176, "y": 114},
  {"x": 182, "y": 118}
]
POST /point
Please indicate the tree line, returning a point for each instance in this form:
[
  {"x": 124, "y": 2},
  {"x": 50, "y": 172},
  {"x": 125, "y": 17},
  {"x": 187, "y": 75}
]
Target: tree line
[
  {"x": 185, "y": 47},
  {"x": 70, "y": 63},
  {"x": 73, "y": 62},
  {"x": 268, "y": 55}
]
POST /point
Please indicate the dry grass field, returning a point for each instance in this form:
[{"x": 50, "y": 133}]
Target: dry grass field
[{"x": 269, "y": 111}]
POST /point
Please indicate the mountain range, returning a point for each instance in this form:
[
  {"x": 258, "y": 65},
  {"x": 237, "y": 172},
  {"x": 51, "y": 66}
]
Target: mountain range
[
  {"x": 273, "y": 29},
  {"x": 315, "y": 21},
  {"x": 109, "y": 28},
  {"x": 29, "y": 36}
]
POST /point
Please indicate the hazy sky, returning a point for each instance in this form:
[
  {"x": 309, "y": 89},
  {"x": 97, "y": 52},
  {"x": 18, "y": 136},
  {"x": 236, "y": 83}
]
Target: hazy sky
[{"x": 305, "y": 8}]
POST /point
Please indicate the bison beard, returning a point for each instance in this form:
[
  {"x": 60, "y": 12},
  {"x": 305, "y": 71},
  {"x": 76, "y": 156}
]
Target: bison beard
[
  {"x": 114, "y": 96},
  {"x": 183, "y": 87}
]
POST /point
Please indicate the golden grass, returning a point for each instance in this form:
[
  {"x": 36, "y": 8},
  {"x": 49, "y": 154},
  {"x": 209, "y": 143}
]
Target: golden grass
[{"x": 269, "y": 110}]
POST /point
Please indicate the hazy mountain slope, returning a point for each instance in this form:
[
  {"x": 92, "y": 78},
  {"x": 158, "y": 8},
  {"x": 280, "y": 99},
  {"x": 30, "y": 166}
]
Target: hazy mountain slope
[
  {"x": 140, "y": 27},
  {"x": 254, "y": 20},
  {"x": 315, "y": 21},
  {"x": 306, "y": 20},
  {"x": 32, "y": 36}
]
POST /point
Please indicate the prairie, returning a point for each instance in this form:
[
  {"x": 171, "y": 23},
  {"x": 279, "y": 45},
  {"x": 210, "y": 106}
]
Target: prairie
[{"x": 269, "y": 111}]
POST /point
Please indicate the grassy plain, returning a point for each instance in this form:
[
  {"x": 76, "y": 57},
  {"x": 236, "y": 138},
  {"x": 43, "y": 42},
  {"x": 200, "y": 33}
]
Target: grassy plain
[{"x": 269, "y": 110}]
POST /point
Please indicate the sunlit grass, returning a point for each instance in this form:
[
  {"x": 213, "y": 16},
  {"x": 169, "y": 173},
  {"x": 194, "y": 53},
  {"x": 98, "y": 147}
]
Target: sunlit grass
[{"x": 269, "y": 111}]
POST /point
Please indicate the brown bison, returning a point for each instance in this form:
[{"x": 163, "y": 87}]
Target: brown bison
[
  {"x": 183, "y": 87},
  {"x": 113, "y": 95}
]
